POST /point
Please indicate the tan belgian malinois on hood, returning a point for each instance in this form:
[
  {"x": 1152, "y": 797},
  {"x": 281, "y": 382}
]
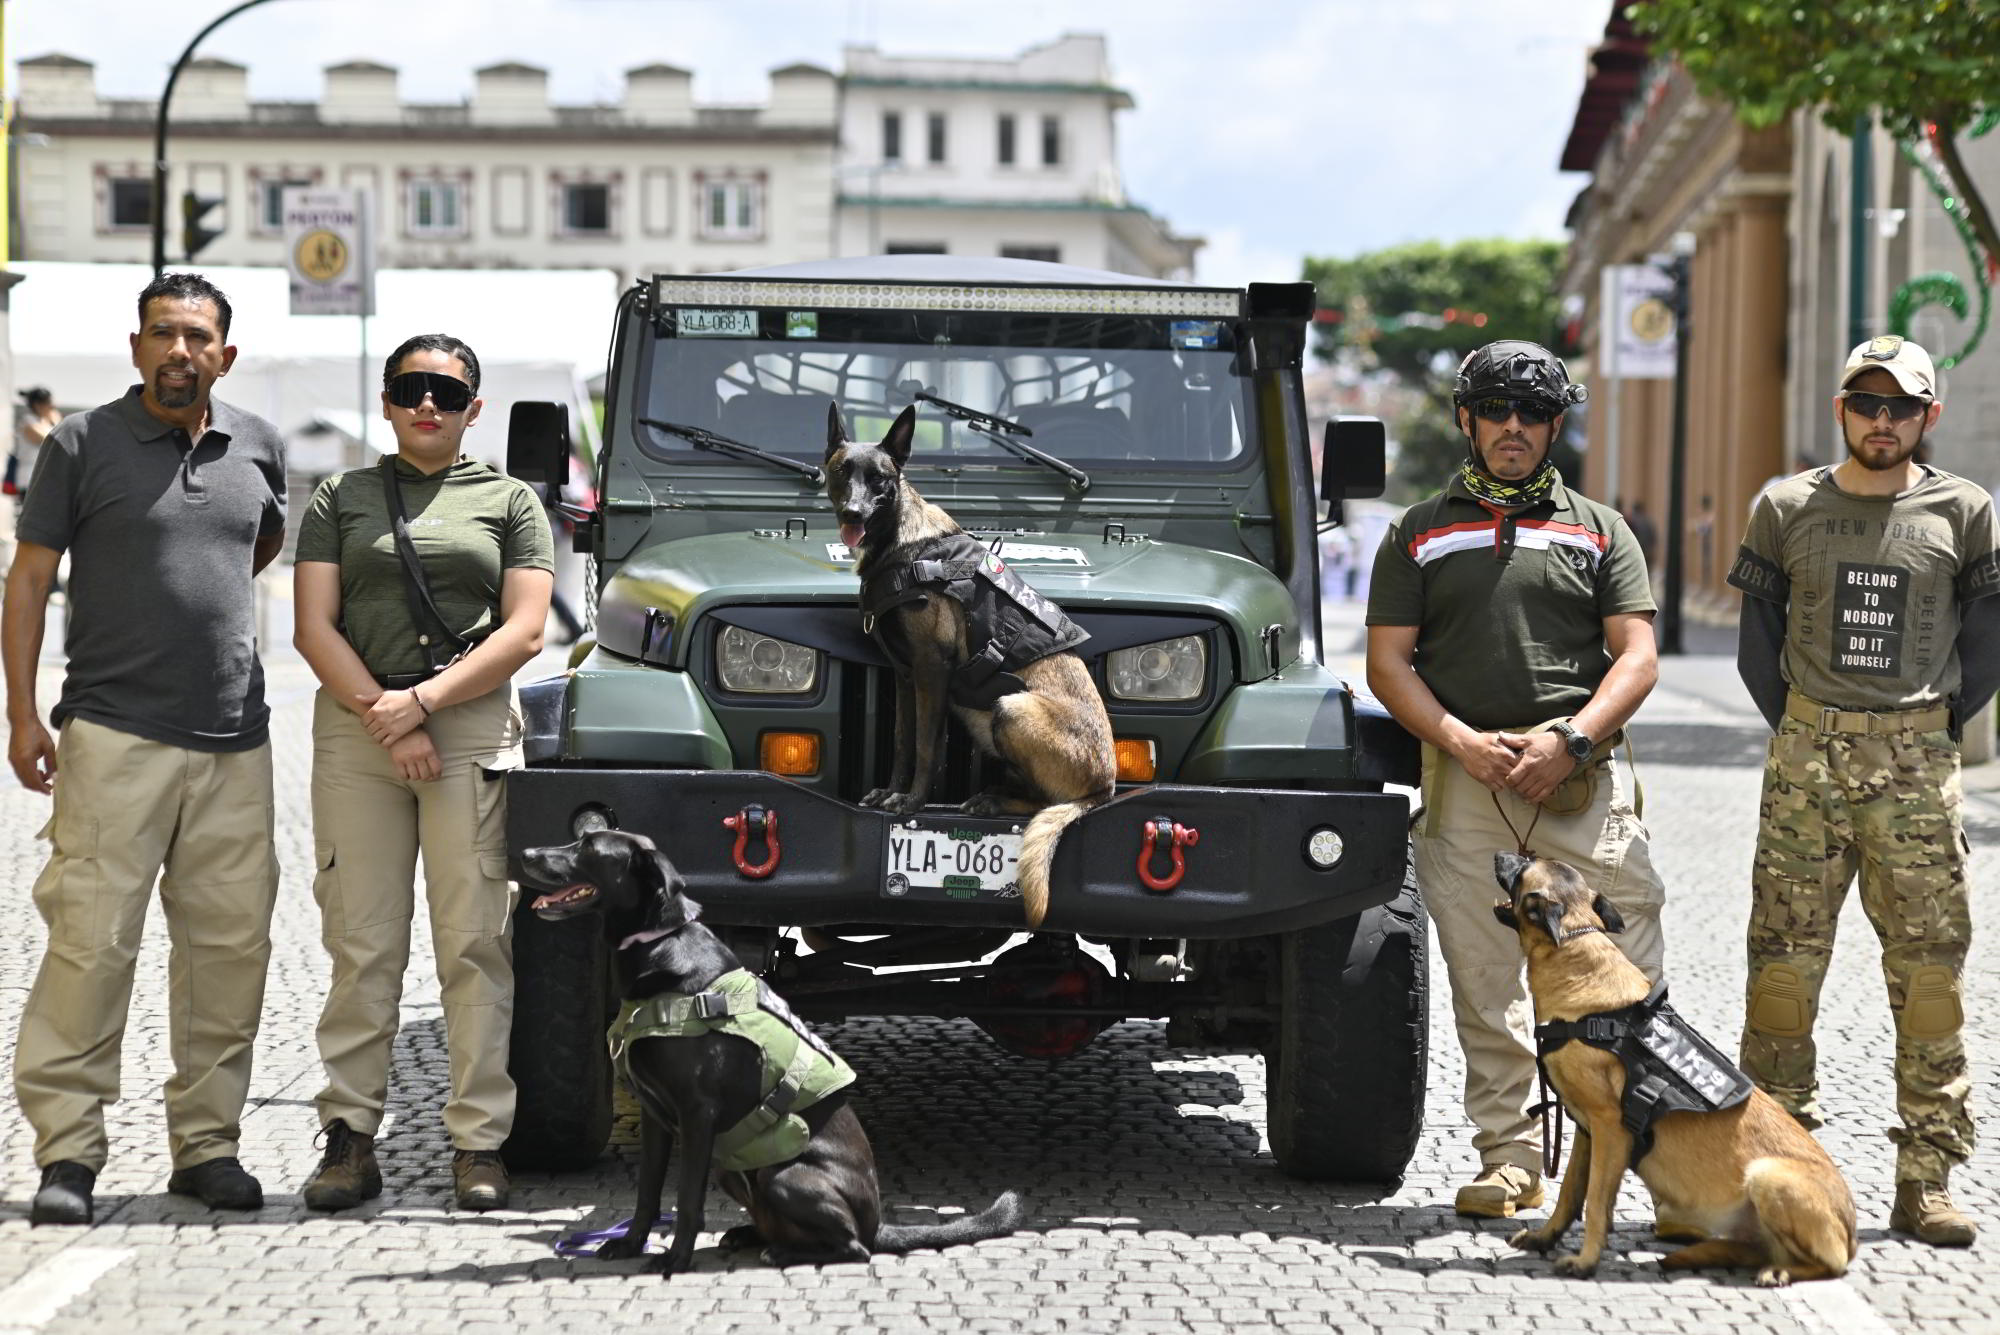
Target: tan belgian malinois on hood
[
  {"x": 1052, "y": 733},
  {"x": 1751, "y": 1178}
]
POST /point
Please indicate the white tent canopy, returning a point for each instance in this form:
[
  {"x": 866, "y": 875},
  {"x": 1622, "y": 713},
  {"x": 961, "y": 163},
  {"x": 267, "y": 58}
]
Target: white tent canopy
[{"x": 538, "y": 334}]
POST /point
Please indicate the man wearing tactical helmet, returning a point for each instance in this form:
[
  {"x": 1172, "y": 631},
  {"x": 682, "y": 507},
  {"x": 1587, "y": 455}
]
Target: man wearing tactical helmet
[{"x": 1510, "y": 628}]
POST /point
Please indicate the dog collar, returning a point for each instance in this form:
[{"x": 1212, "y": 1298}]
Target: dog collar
[{"x": 1575, "y": 932}]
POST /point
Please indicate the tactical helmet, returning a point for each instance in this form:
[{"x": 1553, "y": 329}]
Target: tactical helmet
[{"x": 1514, "y": 368}]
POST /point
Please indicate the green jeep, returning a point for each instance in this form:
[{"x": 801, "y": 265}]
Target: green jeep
[{"x": 1138, "y": 451}]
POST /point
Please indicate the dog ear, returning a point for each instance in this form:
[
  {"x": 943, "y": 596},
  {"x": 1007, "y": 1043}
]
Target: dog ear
[
  {"x": 901, "y": 433},
  {"x": 1607, "y": 913},
  {"x": 667, "y": 909},
  {"x": 836, "y": 430},
  {"x": 1505, "y": 913},
  {"x": 1546, "y": 913}
]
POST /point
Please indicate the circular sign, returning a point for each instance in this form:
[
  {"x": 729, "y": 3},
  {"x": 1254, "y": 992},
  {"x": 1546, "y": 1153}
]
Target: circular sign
[
  {"x": 322, "y": 255},
  {"x": 1653, "y": 320}
]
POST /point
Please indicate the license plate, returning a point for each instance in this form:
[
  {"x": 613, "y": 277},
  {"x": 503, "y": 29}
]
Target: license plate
[{"x": 953, "y": 862}]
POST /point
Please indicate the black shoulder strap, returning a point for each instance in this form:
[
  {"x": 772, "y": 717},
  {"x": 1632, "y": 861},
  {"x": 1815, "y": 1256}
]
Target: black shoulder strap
[{"x": 423, "y": 610}]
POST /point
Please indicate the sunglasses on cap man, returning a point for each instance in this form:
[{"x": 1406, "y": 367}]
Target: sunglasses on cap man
[
  {"x": 1901, "y": 407},
  {"x": 1498, "y": 409},
  {"x": 408, "y": 390}
]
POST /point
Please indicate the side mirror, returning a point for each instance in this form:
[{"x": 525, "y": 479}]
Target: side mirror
[
  {"x": 1353, "y": 463},
  {"x": 538, "y": 445}
]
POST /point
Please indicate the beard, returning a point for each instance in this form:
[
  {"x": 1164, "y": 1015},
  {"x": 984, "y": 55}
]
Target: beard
[
  {"x": 176, "y": 396},
  {"x": 1871, "y": 458}
]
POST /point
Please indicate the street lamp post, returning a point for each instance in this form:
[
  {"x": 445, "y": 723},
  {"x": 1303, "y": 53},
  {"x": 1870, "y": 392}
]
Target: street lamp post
[{"x": 160, "y": 136}]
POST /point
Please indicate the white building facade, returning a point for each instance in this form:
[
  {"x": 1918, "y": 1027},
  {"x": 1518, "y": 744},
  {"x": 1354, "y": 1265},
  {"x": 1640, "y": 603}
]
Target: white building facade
[
  {"x": 1014, "y": 158},
  {"x": 505, "y": 180}
]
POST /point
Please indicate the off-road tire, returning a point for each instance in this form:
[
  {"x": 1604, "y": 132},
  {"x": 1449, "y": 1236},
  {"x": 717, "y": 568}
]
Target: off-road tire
[
  {"x": 564, "y": 998},
  {"x": 1345, "y": 1069}
]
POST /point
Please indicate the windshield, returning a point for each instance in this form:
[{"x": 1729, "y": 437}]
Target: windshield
[{"x": 1100, "y": 390}]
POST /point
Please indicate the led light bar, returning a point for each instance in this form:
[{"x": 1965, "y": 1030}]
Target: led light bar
[{"x": 1001, "y": 297}]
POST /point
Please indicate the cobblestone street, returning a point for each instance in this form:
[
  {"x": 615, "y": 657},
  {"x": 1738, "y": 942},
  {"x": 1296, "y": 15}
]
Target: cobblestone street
[{"x": 1154, "y": 1202}]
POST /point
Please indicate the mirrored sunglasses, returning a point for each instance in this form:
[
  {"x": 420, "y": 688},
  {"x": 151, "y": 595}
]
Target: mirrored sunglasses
[
  {"x": 1902, "y": 407},
  {"x": 1499, "y": 410},
  {"x": 450, "y": 394}
]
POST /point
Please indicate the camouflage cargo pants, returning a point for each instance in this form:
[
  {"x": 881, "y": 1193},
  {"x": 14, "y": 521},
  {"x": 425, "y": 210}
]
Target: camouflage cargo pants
[{"x": 1885, "y": 805}]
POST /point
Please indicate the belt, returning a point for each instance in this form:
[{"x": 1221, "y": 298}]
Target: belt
[
  {"x": 401, "y": 681},
  {"x": 1829, "y": 718}
]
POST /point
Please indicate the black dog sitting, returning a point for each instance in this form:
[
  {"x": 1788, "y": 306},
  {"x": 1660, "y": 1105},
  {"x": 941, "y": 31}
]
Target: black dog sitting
[{"x": 695, "y": 1058}]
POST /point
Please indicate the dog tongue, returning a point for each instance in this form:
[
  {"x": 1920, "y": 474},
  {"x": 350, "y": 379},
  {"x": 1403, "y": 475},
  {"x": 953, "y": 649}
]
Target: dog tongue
[{"x": 851, "y": 535}]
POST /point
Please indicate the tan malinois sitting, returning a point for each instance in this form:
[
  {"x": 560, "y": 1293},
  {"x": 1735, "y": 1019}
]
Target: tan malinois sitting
[{"x": 1722, "y": 1159}]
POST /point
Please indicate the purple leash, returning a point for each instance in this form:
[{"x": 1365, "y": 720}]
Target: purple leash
[{"x": 585, "y": 1242}]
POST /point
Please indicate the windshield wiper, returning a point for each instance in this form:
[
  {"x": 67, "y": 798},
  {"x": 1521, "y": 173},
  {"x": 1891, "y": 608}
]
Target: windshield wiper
[
  {"x": 992, "y": 427},
  {"x": 708, "y": 440}
]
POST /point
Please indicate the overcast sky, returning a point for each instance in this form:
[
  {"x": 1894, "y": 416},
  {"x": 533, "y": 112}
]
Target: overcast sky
[{"x": 1274, "y": 128}]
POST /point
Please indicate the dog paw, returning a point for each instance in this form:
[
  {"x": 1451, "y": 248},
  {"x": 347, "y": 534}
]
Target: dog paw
[
  {"x": 621, "y": 1249},
  {"x": 983, "y": 804},
  {"x": 741, "y": 1238},
  {"x": 1575, "y": 1267},
  {"x": 1774, "y": 1277},
  {"x": 903, "y": 804},
  {"x": 877, "y": 797},
  {"x": 1531, "y": 1240}
]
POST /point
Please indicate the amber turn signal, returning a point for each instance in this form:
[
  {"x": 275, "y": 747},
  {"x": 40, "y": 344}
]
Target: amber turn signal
[
  {"x": 1136, "y": 762},
  {"x": 792, "y": 753}
]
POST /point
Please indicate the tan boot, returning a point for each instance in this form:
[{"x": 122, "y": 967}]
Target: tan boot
[
  {"x": 481, "y": 1179},
  {"x": 347, "y": 1174},
  {"x": 1499, "y": 1190},
  {"x": 1925, "y": 1209}
]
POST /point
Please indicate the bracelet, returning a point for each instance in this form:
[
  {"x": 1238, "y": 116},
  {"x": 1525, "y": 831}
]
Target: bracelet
[{"x": 420, "y": 702}]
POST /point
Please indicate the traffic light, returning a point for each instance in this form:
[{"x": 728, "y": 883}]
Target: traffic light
[{"x": 194, "y": 235}]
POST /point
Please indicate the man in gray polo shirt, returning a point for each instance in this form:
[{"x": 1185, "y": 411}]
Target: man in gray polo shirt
[{"x": 167, "y": 503}]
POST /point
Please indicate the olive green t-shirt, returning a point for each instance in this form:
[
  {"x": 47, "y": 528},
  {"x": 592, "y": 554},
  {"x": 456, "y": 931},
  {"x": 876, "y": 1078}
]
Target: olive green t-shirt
[
  {"x": 1871, "y": 585},
  {"x": 1509, "y": 611},
  {"x": 469, "y": 524}
]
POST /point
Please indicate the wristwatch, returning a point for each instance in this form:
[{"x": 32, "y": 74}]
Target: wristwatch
[{"x": 1574, "y": 742}]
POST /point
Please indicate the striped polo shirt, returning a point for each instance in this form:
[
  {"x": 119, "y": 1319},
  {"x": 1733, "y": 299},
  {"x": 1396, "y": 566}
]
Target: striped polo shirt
[{"x": 1509, "y": 609}]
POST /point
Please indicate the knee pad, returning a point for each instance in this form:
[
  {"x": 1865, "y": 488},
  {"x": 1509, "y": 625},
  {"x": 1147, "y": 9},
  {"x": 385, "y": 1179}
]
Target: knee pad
[
  {"x": 1778, "y": 1004},
  {"x": 1930, "y": 1006}
]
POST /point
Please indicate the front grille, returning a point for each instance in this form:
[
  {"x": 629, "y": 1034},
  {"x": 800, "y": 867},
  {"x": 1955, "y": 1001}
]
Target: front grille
[{"x": 868, "y": 741}]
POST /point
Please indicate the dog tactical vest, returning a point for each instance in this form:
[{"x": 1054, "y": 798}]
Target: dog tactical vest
[
  {"x": 1008, "y": 624},
  {"x": 799, "y": 1069},
  {"x": 1668, "y": 1066}
]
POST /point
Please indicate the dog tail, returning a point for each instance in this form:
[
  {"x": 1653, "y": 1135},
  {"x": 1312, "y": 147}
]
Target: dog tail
[
  {"x": 1038, "y": 850},
  {"x": 995, "y": 1221}
]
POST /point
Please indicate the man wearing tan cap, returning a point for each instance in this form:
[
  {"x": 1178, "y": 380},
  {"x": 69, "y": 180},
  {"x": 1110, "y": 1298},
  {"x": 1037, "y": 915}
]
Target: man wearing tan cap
[{"x": 1868, "y": 636}]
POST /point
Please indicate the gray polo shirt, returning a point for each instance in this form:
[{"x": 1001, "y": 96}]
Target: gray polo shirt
[{"x": 161, "y": 534}]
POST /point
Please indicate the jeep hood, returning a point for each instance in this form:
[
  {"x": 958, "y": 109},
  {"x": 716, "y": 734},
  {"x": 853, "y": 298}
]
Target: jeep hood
[{"x": 662, "y": 591}]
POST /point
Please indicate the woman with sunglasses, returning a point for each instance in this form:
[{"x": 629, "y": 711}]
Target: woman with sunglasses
[{"x": 421, "y": 587}]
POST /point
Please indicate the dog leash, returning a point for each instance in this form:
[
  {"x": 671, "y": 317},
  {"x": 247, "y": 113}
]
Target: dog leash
[
  {"x": 1520, "y": 840},
  {"x": 585, "y": 1242},
  {"x": 1551, "y": 1111}
]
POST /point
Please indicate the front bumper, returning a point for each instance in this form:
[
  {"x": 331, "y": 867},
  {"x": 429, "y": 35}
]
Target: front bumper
[{"x": 1248, "y": 875}]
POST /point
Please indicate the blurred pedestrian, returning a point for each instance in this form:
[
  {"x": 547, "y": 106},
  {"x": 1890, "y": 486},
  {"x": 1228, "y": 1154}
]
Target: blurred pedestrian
[
  {"x": 1510, "y": 628},
  {"x": 1869, "y": 635},
  {"x": 168, "y": 502},
  {"x": 34, "y": 418},
  {"x": 421, "y": 586},
  {"x": 1644, "y": 532}
]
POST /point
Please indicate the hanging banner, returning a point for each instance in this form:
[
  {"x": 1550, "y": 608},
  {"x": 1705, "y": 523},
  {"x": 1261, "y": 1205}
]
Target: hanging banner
[
  {"x": 1637, "y": 338},
  {"x": 330, "y": 251}
]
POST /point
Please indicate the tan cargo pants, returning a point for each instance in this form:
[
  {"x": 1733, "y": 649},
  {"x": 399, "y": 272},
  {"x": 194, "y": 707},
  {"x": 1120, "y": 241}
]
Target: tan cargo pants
[
  {"x": 127, "y": 810},
  {"x": 369, "y": 825},
  {"x": 1455, "y": 841},
  {"x": 1885, "y": 806}
]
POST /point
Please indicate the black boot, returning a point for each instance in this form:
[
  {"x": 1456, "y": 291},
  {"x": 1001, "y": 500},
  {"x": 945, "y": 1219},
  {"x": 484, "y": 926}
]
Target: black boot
[{"x": 65, "y": 1194}]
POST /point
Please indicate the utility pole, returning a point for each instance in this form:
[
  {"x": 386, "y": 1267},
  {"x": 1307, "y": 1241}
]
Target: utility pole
[
  {"x": 1679, "y": 267},
  {"x": 160, "y": 136}
]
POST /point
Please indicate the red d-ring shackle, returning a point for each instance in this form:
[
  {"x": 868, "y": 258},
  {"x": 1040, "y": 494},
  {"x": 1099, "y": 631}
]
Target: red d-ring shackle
[
  {"x": 754, "y": 822},
  {"x": 1162, "y": 832}
]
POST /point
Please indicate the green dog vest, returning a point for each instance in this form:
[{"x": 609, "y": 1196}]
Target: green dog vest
[{"x": 799, "y": 1069}]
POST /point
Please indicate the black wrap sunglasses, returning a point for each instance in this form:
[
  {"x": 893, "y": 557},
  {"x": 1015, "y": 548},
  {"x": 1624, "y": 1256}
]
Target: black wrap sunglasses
[
  {"x": 450, "y": 394},
  {"x": 1499, "y": 410},
  {"x": 1902, "y": 407}
]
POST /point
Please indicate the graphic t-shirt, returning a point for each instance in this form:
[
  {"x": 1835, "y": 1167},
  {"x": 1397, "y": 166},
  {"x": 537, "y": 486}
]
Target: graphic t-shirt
[{"x": 1871, "y": 585}]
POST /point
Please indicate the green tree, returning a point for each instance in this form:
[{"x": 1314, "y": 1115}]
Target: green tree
[
  {"x": 1416, "y": 310},
  {"x": 1915, "y": 63}
]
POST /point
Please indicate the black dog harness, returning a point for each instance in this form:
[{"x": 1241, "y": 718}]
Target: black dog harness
[
  {"x": 1668, "y": 1066},
  {"x": 1008, "y": 624}
]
